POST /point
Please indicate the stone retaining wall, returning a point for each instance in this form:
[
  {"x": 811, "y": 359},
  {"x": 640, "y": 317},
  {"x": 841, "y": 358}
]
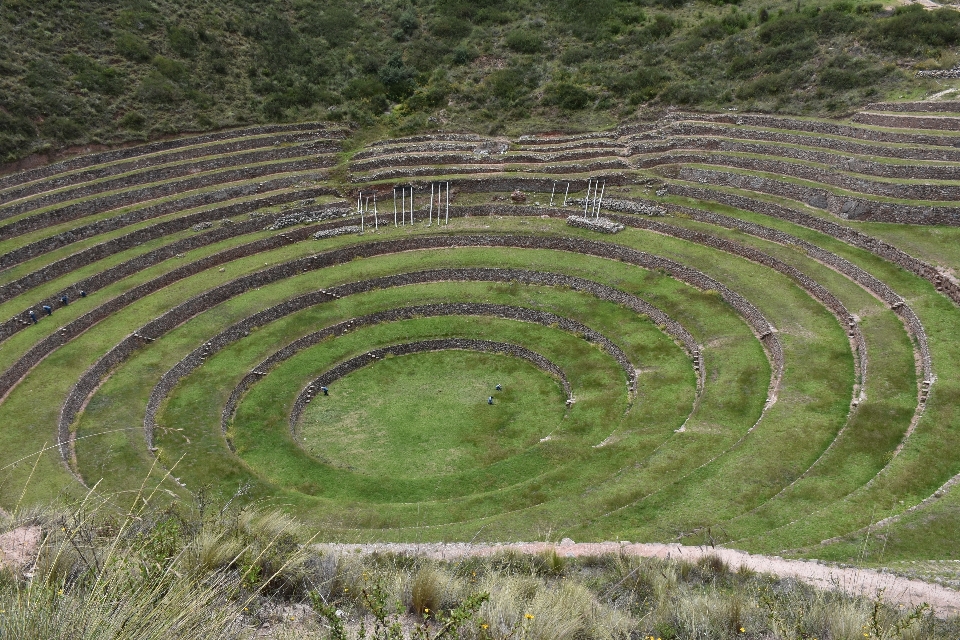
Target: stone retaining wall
[
  {"x": 165, "y": 175},
  {"x": 313, "y": 141},
  {"x": 576, "y": 137},
  {"x": 51, "y": 243},
  {"x": 907, "y": 191},
  {"x": 611, "y": 145},
  {"x": 875, "y": 286},
  {"x": 108, "y": 202},
  {"x": 941, "y": 123},
  {"x": 604, "y": 165},
  {"x": 422, "y": 346},
  {"x": 109, "y": 276},
  {"x": 850, "y": 236},
  {"x": 379, "y": 149},
  {"x": 840, "y": 162},
  {"x": 403, "y": 158},
  {"x": 241, "y": 329},
  {"x": 183, "y": 312},
  {"x": 89, "y": 160},
  {"x": 925, "y": 105},
  {"x": 846, "y": 207},
  {"x": 785, "y": 137},
  {"x": 808, "y": 284},
  {"x": 828, "y": 128}
]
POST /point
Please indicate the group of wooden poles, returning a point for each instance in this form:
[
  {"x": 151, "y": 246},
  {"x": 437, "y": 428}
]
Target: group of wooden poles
[{"x": 591, "y": 206}]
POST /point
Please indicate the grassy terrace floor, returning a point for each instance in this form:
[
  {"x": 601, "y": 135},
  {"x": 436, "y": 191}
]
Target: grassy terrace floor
[{"x": 389, "y": 456}]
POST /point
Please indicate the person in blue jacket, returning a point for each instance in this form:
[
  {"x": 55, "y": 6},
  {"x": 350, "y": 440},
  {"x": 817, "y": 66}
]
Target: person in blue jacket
[{"x": 47, "y": 309}]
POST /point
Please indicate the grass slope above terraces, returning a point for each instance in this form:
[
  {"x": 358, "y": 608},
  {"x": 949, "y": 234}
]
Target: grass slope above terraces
[{"x": 72, "y": 73}]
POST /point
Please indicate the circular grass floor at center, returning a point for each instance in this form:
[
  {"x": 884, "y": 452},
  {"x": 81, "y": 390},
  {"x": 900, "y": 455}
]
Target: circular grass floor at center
[{"x": 427, "y": 414}]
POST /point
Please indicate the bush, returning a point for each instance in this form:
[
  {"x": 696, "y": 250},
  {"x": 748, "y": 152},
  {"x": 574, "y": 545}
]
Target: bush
[
  {"x": 183, "y": 41},
  {"x": 463, "y": 54},
  {"x": 408, "y": 22},
  {"x": 132, "y": 47},
  {"x": 172, "y": 69},
  {"x": 95, "y": 77},
  {"x": 133, "y": 120},
  {"x": 688, "y": 92},
  {"x": 508, "y": 85},
  {"x": 450, "y": 28},
  {"x": 911, "y": 29},
  {"x": 567, "y": 96},
  {"x": 661, "y": 26},
  {"x": 157, "y": 89},
  {"x": 843, "y": 73},
  {"x": 62, "y": 129},
  {"x": 644, "y": 82},
  {"x": 397, "y": 79},
  {"x": 523, "y": 41}
]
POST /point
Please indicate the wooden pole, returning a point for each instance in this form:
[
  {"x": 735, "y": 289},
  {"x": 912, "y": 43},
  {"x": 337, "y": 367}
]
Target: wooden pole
[
  {"x": 565, "y": 194},
  {"x": 551, "y": 193},
  {"x": 376, "y": 223},
  {"x": 600, "y": 201},
  {"x": 448, "y": 205},
  {"x": 586, "y": 198},
  {"x": 403, "y": 206},
  {"x": 394, "y": 206},
  {"x": 430, "y": 215}
]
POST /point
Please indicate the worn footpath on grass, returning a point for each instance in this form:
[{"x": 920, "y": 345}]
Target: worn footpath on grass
[{"x": 853, "y": 581}]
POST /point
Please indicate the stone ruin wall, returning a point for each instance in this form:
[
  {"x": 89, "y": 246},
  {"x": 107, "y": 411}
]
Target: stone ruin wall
[
  {"x": 257, "y": 150},
  {"x": 176, "y": 316},
  {"x": 846, "y": 207},
  {"x": 79, "y": 162},
  {"x": 136, "y": 196}
]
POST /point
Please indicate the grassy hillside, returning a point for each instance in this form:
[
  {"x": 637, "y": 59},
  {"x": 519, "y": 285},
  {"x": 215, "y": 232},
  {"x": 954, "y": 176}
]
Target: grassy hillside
[{"x": 76, "y": 73}]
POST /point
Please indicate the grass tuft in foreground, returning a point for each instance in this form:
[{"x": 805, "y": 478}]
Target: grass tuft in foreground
[{"x": 199, "y": 571}]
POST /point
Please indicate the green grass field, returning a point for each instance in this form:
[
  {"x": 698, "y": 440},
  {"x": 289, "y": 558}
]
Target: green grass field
[{"x": 716, "y": 444}]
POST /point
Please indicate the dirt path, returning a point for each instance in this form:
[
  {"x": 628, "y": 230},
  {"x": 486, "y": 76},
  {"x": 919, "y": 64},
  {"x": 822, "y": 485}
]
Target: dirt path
[{"x": 862, "y": 582}]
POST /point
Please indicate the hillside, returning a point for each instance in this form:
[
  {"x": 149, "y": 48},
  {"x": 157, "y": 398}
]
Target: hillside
[{"x": 79, "y": 73}]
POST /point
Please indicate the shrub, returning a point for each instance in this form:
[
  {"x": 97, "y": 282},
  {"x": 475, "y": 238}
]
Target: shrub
[
  {"x": 397, "y": 79},
  {"x": 450, "y": 28},
  {"x": 133, "y": 120},
  {"x": 61, "y": 128},
  {"x": 567, "y": 96},
  {"x": 157, "y": 89},
  {"x": 508, "y": 85},
  {"x": 688, "y": 92},
  {"x": 588, "y": 18},
  {"x": 640, "y": 85},
  {"x": 172, "y": 69},
  {"x": 524, "y": 41},
  {"x": 94, "y": 76},
  {"x": 408, "y": 22},
  {"x": 911, "y": 28},
  {"x": 183, "y": 41},
  {"x": 132, "y": 47},
  {"x": 575, "y": 56},
  {"x": 661, "y": 26}
]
